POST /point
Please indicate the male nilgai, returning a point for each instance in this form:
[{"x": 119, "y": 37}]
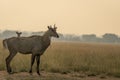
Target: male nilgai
[{"x": 35, "y": 45}]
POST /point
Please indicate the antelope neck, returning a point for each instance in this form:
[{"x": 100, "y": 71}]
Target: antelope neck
[{"x": 46, "y": 38}]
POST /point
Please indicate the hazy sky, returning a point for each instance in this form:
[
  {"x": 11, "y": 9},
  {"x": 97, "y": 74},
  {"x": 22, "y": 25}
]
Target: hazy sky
[{"x": 70, "y": 16}]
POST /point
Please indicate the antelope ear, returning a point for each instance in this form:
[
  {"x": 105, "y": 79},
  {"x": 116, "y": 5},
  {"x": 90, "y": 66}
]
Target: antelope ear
[{"x": 48, "y": 27}]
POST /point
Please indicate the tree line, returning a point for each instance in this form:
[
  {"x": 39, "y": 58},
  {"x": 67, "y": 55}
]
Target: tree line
[{"x": 105, "y": 38}]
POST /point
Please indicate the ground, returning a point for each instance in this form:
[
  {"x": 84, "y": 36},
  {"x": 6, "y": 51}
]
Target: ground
[{"x": 51, "y": 76}]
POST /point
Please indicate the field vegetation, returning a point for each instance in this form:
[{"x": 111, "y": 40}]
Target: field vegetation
[{"x": 90, "y": 59}]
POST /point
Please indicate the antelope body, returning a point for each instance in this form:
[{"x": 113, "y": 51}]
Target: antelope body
[{"x": 35, "y": 45}]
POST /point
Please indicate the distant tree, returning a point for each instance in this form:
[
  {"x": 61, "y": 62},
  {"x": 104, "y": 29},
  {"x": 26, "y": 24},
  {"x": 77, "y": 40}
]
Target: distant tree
[
  {"x": 38, "y": 33},
  {"x": 8, "y": 33},
  {"x": 26, "y": 33},
  {"x": 71, "y": 37},
  {"x": 109, "y": 37},
  {"x": 118, "y": 40},
  {"x": 89, "y": 38},
  {"x": 0, "y": 34},
  {"x": 61, "y": 35}
]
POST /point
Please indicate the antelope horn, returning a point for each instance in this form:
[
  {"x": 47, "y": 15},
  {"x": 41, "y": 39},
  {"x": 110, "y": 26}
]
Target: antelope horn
[
  {"x": 48, "y": 27},
  {"x": 55, "y": 27}
]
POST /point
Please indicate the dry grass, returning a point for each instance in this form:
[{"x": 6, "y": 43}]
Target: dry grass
[{"x": 65, "y": 57}]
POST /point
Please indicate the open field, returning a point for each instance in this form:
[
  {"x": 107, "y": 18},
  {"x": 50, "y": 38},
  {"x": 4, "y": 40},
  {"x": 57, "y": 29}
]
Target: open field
[{"x": 70, "y": 60}]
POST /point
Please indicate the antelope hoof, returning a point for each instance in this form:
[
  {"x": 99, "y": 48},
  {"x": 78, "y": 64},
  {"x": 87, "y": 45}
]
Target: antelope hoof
[
  {"x": 11, "y": 72},
  {"x": 30, "y": 72},
  {"x": 38, "y": 73}
]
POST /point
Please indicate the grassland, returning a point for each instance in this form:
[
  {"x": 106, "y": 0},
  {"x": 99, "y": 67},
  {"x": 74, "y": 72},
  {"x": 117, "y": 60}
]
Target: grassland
[{"x": 71, "y": 57}]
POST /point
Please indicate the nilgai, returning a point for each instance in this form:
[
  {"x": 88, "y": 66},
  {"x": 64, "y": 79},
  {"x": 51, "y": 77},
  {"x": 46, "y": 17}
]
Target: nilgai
[{"x": 35, "y": 45}]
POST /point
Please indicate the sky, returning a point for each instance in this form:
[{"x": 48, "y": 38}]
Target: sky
[{"x": 70, "y": 16}]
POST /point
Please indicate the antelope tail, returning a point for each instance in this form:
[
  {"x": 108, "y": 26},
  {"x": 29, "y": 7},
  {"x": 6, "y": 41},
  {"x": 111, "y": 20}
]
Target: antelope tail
[{"x": 5, "y": 43}]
